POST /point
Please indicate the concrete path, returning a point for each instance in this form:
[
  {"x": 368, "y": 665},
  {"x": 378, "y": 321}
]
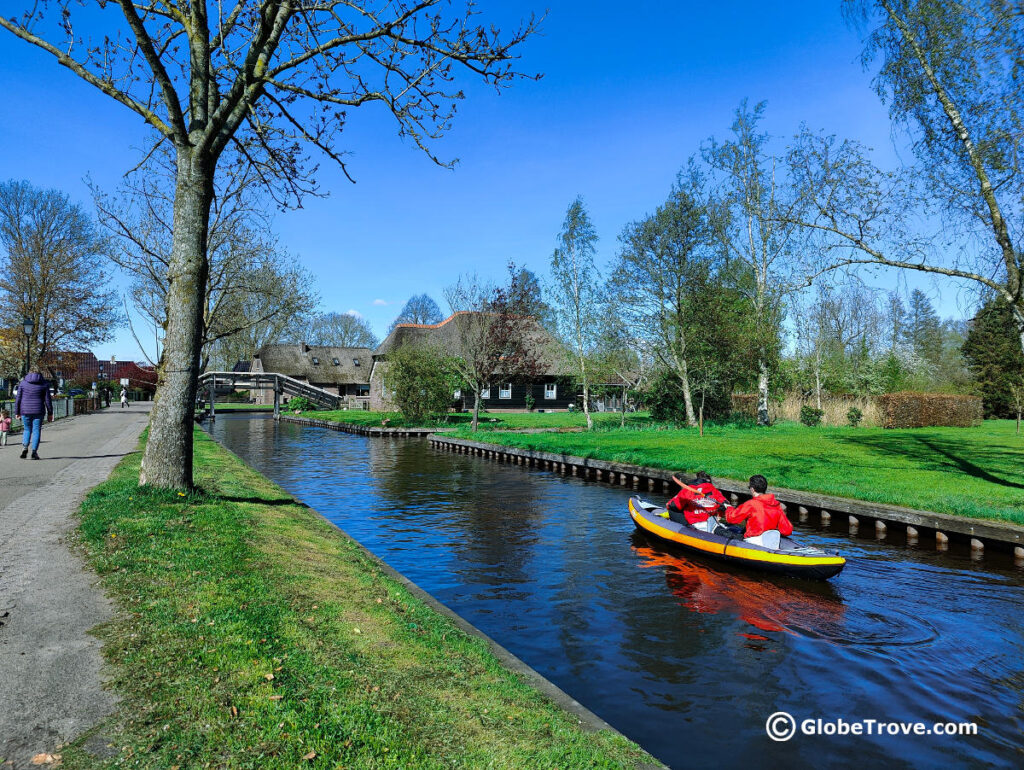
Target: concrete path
[{"x": 50, "y": 686}]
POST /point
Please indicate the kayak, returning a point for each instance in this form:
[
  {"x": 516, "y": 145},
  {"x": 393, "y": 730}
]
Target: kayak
[{"x": 790, "y": 558}]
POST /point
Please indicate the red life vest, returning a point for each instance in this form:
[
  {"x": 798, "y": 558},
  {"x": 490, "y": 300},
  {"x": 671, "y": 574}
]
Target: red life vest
[
  {"x": 761, "y": 514},
  {"x": 686, "y": 501}
]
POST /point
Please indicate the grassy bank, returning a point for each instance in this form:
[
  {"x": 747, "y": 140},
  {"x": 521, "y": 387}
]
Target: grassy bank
[
  {"x": 488, "y": 420},
  {"x": 254, "y": 634},
  {"x": 975, "y": 472}
]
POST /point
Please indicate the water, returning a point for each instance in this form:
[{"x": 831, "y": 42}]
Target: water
[{"x": 686, "y": 657}]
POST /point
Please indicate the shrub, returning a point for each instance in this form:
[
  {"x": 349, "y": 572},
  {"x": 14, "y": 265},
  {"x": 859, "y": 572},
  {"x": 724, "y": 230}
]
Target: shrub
[
  {"x": 745, "y": 403},
  {"x": 423, "y": 381},
  {"x": 301, "y": 404},
  {"x": 854, "y": 416},
  {"x": 921, "y": 410},
  {"x": 530, "y": 401},
  {"x": 811, "y": 416}
]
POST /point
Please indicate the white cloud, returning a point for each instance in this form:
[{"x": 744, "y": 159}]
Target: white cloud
[
  {"x": 380, "y": 302},
  {"x": 354, "y": 313}
]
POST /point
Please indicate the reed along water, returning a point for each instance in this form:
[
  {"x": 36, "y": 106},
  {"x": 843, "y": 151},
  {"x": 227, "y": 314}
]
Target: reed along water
[{"x": 686, "y": 657}]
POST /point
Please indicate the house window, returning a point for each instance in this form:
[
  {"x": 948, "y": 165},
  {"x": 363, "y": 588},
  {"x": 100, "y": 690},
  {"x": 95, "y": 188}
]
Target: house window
[
  {"x": 316, "y": 361},
  {"x": 485, "y": 392},
  {"x": 505, "y": 391},
  {"x": 550, "y": 391},
  {"x": 362, "y": 390},
  {"x": 457, "y": 394},
  {"x": 355, "y": 362},
  {"x": 336, "y": 362}
]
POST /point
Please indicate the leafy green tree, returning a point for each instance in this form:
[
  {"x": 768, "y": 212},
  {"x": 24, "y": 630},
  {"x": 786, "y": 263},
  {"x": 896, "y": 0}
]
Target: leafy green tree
[
  {"x": 423, "y": 381},
  {"x": 993, "y": 356},
  {"x": 575, "y": 291}
]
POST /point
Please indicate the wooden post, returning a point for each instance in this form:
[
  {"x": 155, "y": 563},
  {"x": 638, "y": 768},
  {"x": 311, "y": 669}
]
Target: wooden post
[
  {"x": 911, "y": 535},
  {"x": 1018, "y": 554},
  {"x": 636, "y": 482},
  {"x": 854, "y": 525},
  {"x": 977, "y": 547},
  {"x": 941, "y": 541},
  {"x": 804, "y": 514},
  {"x": 826, "y": 518},
  {"x": 213, "y": 393},
  {"x": 880, "y": 529}
]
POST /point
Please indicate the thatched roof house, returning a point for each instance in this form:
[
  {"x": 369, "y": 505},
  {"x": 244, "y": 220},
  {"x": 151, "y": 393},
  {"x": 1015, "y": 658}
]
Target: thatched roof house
[{"x": 345, "y": 371}]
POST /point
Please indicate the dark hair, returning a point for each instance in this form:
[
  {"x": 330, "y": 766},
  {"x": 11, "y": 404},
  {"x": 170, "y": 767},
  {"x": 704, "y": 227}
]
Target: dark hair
[
  {"x": 759, "y": 484},
  {"x": 702, "y": 477}
]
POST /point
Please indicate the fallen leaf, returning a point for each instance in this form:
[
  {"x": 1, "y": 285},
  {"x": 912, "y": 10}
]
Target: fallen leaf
[
  {"x": 310, "y": 755},
  {"x": 357, "y": 630},
  {"x": 276, "y": 697},
  {"x": 45, "y": 759},
  {"x": 234, "y": 711},
  {"x": 268, "y": 677}
]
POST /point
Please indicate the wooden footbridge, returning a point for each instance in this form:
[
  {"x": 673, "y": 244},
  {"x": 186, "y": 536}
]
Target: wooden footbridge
[{"x": 281, "y": 384}]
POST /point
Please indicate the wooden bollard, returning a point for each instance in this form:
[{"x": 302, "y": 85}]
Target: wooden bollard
[
  {"x": 624, "y": 479},
  {"x": 664, "y": 486},
  {"x": 977, "y": 547},
  {"x": 826, "y": 518},
  {"x": 941, "y": 541},
  {"x": 733, "y": 498},
  {"x": 911, "y": 536},
  {"x": 854, "y": 524},
  {"x": 636, "y": 482},
  {"x": 1018, "y": 554},
  {"x": 880, "y": 529},
  {"x": 575, "y": 470},
  {"x": 804, "y": 514}
]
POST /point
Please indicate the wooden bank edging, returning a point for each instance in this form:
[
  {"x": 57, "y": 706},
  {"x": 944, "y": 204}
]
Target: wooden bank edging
[
  {"x": 880, "y": 515},
  {"x": 362, "y": 430}
]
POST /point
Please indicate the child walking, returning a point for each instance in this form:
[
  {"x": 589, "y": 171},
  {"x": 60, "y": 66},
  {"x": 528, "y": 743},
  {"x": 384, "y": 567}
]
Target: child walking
[{"x": 5, "y": 426}]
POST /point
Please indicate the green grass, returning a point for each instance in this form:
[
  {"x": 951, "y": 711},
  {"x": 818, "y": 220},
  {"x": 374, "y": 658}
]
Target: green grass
[
  {"x": 488, "y": 420},
  {"x": 232, "y": 407},
  {"x": 974, "y": 472},
  {"x": 252, "y": 634}
]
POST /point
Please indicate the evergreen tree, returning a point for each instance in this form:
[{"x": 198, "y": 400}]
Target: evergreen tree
[
  {"x": 994, "y": 357},
  {"x": 923, "y": 331}
]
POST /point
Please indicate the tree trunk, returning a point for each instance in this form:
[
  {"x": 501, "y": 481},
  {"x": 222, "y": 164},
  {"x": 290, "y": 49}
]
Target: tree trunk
[
  {"x": 476, "y": 408},
  {"x": 684, "y": 376},
  {"x": 622, "y": 420},
  {"x": 817, "y": 382},
  {"x": 762, "y": 393},
  {"x": 167, "y": 461},
  {"x": 586, "y": 405}
]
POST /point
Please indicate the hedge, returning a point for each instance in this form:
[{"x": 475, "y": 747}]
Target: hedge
[
  {"x": 745, "y": 403},
  {"x": 922, "y": 410}
]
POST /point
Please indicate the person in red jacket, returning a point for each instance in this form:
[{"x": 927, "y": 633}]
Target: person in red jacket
[
  {"x": 762, "y": 513},
  {"x": 696, "y": 502}
]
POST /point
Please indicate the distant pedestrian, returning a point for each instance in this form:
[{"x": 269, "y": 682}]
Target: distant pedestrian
[
  {"x": 5, "y": 426},
  {"x": 124, "y": 397},
  {"x": 33, "y": 401}
]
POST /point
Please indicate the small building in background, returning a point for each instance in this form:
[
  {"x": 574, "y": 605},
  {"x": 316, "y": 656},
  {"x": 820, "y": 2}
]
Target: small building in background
[{"x": 344, "y": 371}]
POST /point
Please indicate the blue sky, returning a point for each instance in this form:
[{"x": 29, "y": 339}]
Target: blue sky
[{"x": 625, "y": 99}]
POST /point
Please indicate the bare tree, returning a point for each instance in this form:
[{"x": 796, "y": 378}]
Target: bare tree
[
  {"x": 494, "y": 336},
  {"x": 575, "y": 293},
  {"x": 951, "y": 73},
  {"x": 51, "y": 272},
  {"x": 420, "y": 309},
  {"x": 342, "y": 330},
  {"x": 759, "y": 232},
  {"x": 270, "y": 78}
]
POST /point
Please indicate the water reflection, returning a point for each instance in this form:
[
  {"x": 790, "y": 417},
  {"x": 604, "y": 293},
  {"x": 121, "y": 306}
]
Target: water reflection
[{"x": 685, "y": 656}]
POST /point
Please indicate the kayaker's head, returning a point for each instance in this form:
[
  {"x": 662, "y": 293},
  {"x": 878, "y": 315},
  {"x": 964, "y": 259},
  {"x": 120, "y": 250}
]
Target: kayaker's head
[
  {"x": 758, "y": 484},
  {"x": 701, "y": 477}
]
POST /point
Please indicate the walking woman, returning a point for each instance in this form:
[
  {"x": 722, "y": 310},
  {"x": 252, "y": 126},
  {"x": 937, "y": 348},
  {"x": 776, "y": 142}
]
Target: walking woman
[{"x": 32, "y": 402}]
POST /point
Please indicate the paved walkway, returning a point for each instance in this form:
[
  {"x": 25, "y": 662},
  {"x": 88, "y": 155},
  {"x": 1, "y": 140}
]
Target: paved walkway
[{"x": 50, "y": 686}]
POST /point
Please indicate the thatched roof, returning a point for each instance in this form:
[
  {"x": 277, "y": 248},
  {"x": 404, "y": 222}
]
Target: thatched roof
[
  {"x": 317, "y": 363},
  {"x": 448, "y": 335}
]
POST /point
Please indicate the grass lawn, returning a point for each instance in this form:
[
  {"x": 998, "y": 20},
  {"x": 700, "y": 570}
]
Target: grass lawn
[
  {"x": 976, "y": 472},
  {"x": 245, "y": 407},
  {"x": 488, "y": 420},
  {"x": 252, "y": 634}
]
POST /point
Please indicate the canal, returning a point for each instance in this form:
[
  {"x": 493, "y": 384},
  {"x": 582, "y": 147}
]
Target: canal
[{"x": 685, "y": 657}]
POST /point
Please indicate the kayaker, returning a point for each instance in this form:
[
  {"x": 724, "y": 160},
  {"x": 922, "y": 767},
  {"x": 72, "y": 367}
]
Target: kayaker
[
  {"x": 696, "y": 502},
  {"x": 766, "y": 521}
]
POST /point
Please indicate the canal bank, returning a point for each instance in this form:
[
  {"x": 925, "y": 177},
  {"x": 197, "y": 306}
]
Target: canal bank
[
  {"x": 904, "y": 526},
  {"x": 253, "y": 632}
]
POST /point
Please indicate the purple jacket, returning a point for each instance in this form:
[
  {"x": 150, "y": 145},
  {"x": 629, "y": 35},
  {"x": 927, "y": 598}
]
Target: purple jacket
[{"x": 33, "y": 396}]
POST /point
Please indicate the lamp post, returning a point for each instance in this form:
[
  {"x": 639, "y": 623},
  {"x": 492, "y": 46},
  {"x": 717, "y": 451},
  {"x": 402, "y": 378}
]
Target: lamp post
[{"x": 29, "y": 325}]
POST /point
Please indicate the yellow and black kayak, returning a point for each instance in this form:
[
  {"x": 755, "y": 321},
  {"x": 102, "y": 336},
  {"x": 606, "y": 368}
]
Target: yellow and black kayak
[{"x": 790, "y": 558}]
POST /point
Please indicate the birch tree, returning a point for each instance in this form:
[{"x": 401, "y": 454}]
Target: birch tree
[
  {"x": 575, "y": 289},
  {"x": 952, "y": 76},
  {"x": 759, "y": 233},
  {"x": 271, "y": 78}
]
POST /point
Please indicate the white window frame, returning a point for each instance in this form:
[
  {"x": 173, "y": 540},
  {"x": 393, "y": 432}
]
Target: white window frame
[
  {"x": 485, "y": 393},
  {"x": 550, "y": 391},
  {"x": 457, "y": 394},
  {"x": 505, "y": 392}
]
